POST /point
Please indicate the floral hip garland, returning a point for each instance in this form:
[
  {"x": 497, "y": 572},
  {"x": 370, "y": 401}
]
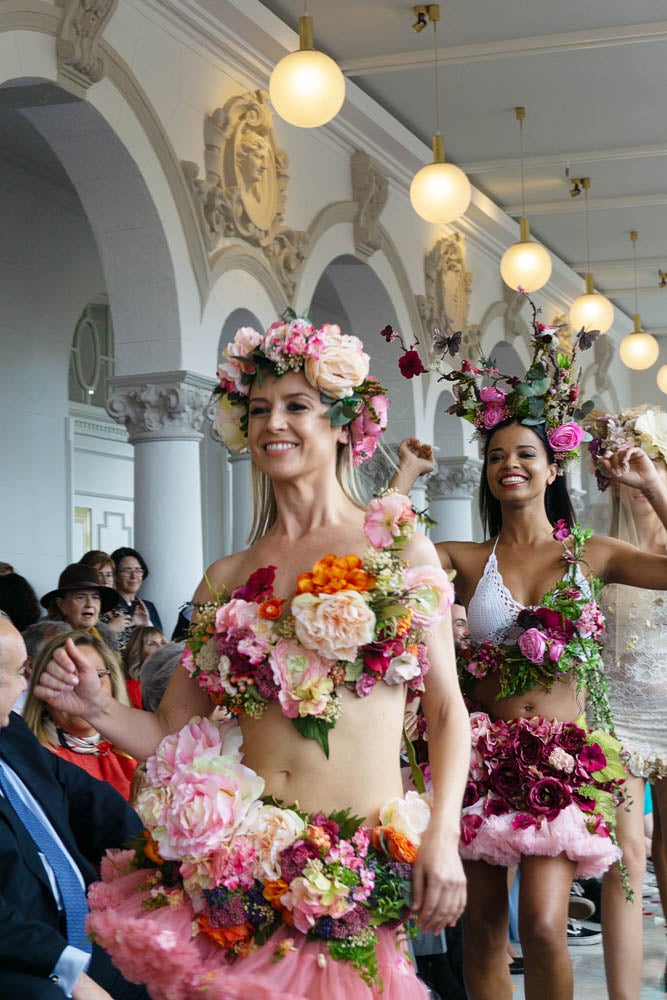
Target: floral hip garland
[
  {"x": 247, "y": 866},
  {"x": 332, "y": 362},
  {"x": 562, "y": 635},
  {"x": 353, "y": 622}
]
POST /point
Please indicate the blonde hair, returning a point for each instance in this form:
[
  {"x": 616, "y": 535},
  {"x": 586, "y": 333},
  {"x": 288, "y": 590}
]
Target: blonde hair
[
  {"x": 36, "y": 712},
  {"x": 133, "y": 653},
  {"x": 264, "y": 500}
]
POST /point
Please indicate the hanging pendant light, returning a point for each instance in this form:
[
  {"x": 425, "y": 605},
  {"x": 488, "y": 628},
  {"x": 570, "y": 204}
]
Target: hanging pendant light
[
  {"x": 439, "y": 192},
  {"x": 591, "y": 310},
  {"x": 661, "y": 379},
  {"x": 307, "y": 88},
  {"x": 525, "y": 265},
  {"x": 639, "y": 350}
]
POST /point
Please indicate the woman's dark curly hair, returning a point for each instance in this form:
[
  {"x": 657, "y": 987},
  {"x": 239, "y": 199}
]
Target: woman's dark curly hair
[
  {"x": 557, "y": 503},
  {"x": 118, "y": 554},
  {"x": 19, "y": 601}
]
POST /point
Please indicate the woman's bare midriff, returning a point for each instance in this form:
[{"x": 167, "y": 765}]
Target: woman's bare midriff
[
  {"x": 363, "y": 769},
  {"x": 562, "y": 702}
]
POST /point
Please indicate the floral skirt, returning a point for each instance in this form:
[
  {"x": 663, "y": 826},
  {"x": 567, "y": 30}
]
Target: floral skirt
[
  {"x": 231, "y": 897},
  {"x": 544, "y": 788}
]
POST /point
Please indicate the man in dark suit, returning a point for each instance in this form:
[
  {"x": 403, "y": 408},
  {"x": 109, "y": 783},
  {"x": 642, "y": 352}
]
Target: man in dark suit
[{"x": 55, "y": 824}]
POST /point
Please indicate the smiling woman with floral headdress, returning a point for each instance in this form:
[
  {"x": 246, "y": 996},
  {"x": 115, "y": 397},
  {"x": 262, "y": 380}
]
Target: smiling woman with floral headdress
[
  {"x": 635, "y": 656},
  {"x": 281, "y": 857},
  {"x": 542, "y": 786}
]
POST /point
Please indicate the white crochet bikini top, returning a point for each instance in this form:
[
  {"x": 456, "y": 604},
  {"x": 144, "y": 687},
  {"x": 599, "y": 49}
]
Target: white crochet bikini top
[{"x": 493, "y": 612}]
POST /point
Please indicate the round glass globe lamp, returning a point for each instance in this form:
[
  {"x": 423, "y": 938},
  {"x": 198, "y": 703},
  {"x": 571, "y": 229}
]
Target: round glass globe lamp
[
  {"x": 440, "y": 192},
  {"x": 591, "y": 311},
  {"x": 661, "y": 379},
  {"x": 526, "y": 264},
  {"x": 307, "y": 88},
  {"x": 639, "y": 350}
]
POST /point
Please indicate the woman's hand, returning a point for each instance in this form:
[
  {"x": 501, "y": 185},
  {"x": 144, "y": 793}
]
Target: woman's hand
[
  {"x": 69, "y": 682},
  {"x": 140, "y": 615},
  {"x": 118, "y": 621},
  {"x": 438, "y": 882},
  {"x": 414, "y": 460},
  {"x": 632, "y": 467}
]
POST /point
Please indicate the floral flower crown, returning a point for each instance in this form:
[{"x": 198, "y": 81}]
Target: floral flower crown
[
  {"x": 333, "y": 362},
  {"x": 546, "y": 397},
  {"x": 642, "y": 426}
]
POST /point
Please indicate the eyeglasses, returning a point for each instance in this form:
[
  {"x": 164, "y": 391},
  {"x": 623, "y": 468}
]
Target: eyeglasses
[
  {"x": 131, "y": 572},
  {"x": 105, "y": 576}
]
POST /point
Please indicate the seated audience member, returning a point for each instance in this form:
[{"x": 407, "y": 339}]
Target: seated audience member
[
  {"x": 103, "y": 565},
  {"x": 18, "y": 600},
  {"x": 55, "y": 824},
  {"x": 79, "y": 600},
  {"x": 143, "y": 642},
  {"x": 460, "y": 628},
  {"x": 156, "y": 673},
  {"x": 35, "y": 638},
  {"x": 71, "y": 737},
  {"x": 131, "y": 611}
]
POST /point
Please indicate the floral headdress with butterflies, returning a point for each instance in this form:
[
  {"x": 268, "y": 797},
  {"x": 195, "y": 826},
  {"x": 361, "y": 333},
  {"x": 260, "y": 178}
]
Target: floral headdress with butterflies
[
  {"x": 333, "y": 362},
  {"x": 642, "y": 426},
  {"x": 547, "y": 396}
]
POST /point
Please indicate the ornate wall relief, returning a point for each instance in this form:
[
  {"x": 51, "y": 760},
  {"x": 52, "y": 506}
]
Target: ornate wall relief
[
  {"x": 243, "y": 193},
  {"x": 370, "y": 189},
  {"x": 447, "y": 285},
  {"x": 79, "y": 63}
]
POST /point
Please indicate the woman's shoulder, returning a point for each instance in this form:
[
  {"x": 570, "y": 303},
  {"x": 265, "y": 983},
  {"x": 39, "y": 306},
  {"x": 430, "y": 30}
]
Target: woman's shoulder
[{"x": 222, "y": 575}]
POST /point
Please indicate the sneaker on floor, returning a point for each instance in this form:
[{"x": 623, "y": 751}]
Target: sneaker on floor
[
  {"x": 578, "y": 934},
  {"x": 579, "y": 907}
]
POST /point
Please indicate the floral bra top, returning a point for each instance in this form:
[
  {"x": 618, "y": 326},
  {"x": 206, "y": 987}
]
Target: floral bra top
[
  {"x": 353, "y": 621},
  {"x": 537, "y": 646}
]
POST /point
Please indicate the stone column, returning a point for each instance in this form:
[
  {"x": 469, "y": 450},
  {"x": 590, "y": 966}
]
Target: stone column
[
  {"x": 452, "y": 490},
  {"x": 165, "y": 414},
  {"x": 242, "y": 505}
]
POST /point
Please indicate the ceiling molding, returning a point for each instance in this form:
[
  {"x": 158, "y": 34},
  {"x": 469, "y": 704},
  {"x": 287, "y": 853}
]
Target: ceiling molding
[
  {"x": 509, "y": 48},
  {"x": 619, "y": 264},
  {"x": 562, "y": 159},
  {"x": 572, "y": 205}
]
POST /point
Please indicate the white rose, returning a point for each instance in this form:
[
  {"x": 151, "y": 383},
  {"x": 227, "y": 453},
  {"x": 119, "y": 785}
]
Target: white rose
[
  {"x": 402, "y": 668},
  {"x": 272, "y": 830},
  {"x": 409, "y": 815},
  {"x": 652, "y": 430}
]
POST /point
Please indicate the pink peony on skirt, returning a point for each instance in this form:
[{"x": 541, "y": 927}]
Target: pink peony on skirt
[
  {"x": 156, "y": 947},
  {"x": 523, "y": 794}
]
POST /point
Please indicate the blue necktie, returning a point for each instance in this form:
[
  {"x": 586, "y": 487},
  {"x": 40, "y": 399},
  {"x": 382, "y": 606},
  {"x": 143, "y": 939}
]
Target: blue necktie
[{"x": 72, "y": 894}]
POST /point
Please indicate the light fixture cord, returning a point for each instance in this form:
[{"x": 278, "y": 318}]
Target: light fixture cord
[
  {"x": 305, "y": 8},
  {"x": 634, "y": 255},
  {"x": 435, "y": 77},
  {"x": 523, "y": 174},
  {"x": 588, "y": 239}
]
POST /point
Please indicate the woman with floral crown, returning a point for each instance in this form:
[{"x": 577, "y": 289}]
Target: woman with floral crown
[
  {"x": 281, "y": 859},
  {"x": 543, "y": 785},
  {"x": 634, "y": 655}
]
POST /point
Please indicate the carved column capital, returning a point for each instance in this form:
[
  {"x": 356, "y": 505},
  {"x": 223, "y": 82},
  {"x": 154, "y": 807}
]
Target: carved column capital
[
  {"x": 79, "y": 62},
  {"x": 162, "y": 406},
  {"x": 454, "y": 478}
]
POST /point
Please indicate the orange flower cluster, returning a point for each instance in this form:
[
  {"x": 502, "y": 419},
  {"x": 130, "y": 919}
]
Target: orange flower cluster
[
  {"x": 334, "y": 573},
  {"x": 227, "y": 937},
  {"x": 271, "y": 608},
  {"x": 395, "y": 844},
  {"x": 151, "y": 851}
]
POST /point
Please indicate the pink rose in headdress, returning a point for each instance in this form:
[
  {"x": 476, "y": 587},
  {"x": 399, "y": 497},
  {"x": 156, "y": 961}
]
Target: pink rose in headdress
[
  {"x": 367, "y": 428},
  {"x": 492, "y": 394},
  {"x": 492, "y": 415},
  {"x": 567, "y": 437}
]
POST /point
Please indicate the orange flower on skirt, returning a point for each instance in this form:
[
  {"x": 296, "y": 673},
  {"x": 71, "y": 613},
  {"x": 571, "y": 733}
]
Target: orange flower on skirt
[{"x": 227, "y": 937}]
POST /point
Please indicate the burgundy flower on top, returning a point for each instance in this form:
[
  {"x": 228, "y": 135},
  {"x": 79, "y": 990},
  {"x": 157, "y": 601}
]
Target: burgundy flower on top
[
  {"x": 258, "y": 587},
  {"x": 410, "y": 364}
]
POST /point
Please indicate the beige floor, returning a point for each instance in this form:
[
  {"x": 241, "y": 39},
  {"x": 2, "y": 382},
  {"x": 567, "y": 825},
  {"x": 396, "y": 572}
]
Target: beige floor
[{"x": 589, "y": 982}]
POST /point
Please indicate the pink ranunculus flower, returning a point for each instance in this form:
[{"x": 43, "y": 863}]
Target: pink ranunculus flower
[
  {"x": 567, "y": 437},
  {"x": 335, "y": 625},
  {"x": 388, "y": 518},
  {"x": 402, "y": 668},
  {"x": 430, "y": 594},
  {"x": 533, "y": 645},
  {"x": 199, "y": 739},
  {"x": 209, "y": 804},
  {"x": 556, "y": 648},
  {"x": 493, "y": 414},
  {"x": 340, "y": 365},
  {"x": 272, "y": 831},
  {"x": 364, "y": 685},
  {"x": 492, "y": 394},
  {"x": 302, "y": 675}
]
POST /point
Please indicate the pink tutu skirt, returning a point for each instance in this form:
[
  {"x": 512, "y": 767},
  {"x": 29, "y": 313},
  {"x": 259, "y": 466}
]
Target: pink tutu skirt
[
  {"x": 525, "y": 794},
  {"x": 156, "y": 947}
]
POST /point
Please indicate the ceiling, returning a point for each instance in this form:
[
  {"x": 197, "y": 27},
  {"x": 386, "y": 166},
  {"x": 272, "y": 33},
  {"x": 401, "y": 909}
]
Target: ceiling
[{"x": 592, "y": 77}]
